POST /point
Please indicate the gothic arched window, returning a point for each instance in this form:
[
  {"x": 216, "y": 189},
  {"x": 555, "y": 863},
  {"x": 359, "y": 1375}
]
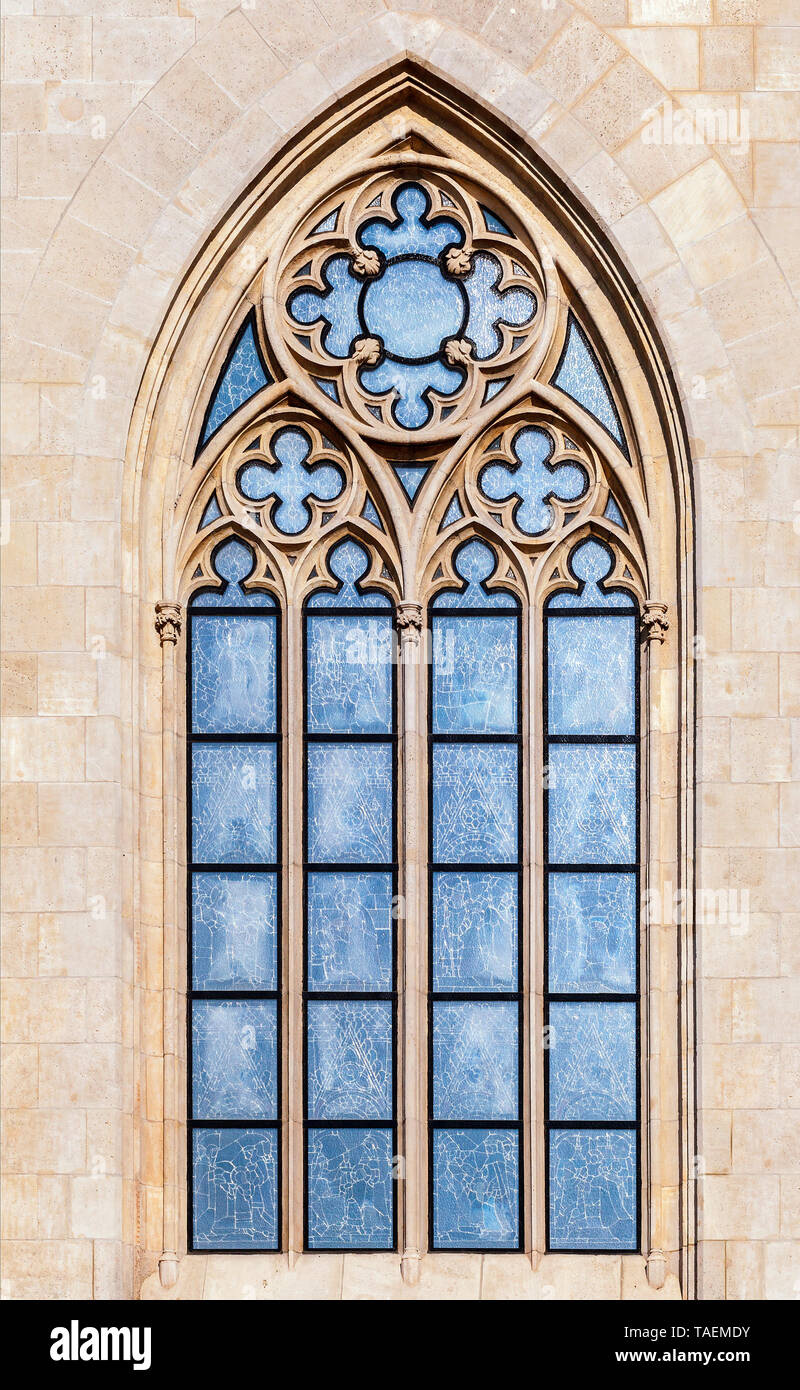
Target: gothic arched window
[{"x": 414, "y": 543}]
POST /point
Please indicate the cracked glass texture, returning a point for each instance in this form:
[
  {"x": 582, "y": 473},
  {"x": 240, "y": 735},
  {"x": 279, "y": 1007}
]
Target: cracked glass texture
[
  {"x": 474, "y": 562},
  {"x": 243, "y": 376},
  {"x": 592, "y": 1061},
  {"x": 234, "y": 931},
  {"x": 592, "y": 933},
  {"x": 475, "y": 931},
  {"x": 235, "y": 1189},
  {"x": 350, "y": 1189},
  {"x": 591, "y": 672},
  {"x": 349, "y": 931},
  {"x": 474, "y": 803},
  {"x": 292, "y": 481},
  {"x": 234, "y": 808},
  {"x": 348, "y": 562},
  {"x": 233, "y": 562},
  {"x": 349, "y": 806},
  {"x": 349, "y": 1059},
  {"x": 233, "y": 674},
  {"x": 592, "y": 804},
  {"x": 579, "y": 375},
  {"x": 234, "y": 1059},
  {"x": 533, "y": 481},
  {"x": 593, "y": 1189},
  {"x": 475, "y": 1060},
  {"x": 349, "y": 682},
  {"x": 476, "y": 1189},
  {"x": 591, "y": 563},
  {"x": 474, "y": 675}
]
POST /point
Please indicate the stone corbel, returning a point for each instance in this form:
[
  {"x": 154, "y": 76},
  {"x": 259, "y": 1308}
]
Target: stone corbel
[
  {"x": 656, "y": 1269},
  {"x": 655, "y": 622},
  {"x": 168, "y": 620}
]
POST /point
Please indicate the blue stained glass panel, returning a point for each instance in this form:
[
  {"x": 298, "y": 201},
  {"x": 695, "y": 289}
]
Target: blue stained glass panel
[
  {"x": 235, "y": 1189},
  {"x": 234, "y": 931},
  {"x": 489, "y": 306},
  {"x": 348, "y": 562},
  {"x": 592, "y": 933},
  {"x": 411, "y": 383},
  {"x": 579, "y": 375},
  {"x": 591, "y": 563},
  {"x": 533, "y": 481},
  {"x": 474, "y": 803},
  {"x": 233, "y": 562},
  {"x": 349, "y": 803},
  {"x": 337, "y": 305},
  {"x": 593, "y": 1189},
  {"x": 292, "y": 481},
  {"x": 591, "y": 670},
  {"x": 592, "y": 1061},
  {"x": 475, "y": 931},
  {"x": 350, "y": 1059},
  {"x": 475, "y": 1189},
  {"x": 414, "y": 335},
  {"x": 411, "y": 232},
  {"x": 474, "y": 675},
  {"x": 411, "y": 477},
  {"x": 475, "y": 1060},
  {"x": 349, "y": 684},
  {"x": 474, "y": 563},
  {"x": 592, "y": 804},
  {"x": 233, "y": 674},
  {"x": 234, "y": 1059},
  {"x": 241, "y": 378},
  {"x": 349, "y": 931},
  {"x": 234, "y": 804},
  {"x": 350, "y": 1189}
]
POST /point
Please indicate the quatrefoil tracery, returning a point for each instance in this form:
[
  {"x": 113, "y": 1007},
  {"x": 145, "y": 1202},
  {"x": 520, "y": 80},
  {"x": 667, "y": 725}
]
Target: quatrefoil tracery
[{"x": 407, "y": 301}]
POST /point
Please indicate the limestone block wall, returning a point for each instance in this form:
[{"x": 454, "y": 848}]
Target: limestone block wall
[{"x": 128, "y": 129}]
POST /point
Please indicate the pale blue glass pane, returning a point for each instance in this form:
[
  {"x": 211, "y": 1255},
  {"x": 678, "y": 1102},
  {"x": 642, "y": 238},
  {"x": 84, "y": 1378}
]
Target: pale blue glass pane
[
  {"x": 613, "y": 513},
  {"x": 211, "y": 513},
  {"x": 591, "y": 562},
  {"x": 234, "y": 805},
  {"x": 454, "y": 512},
  {"x": 370, "y": 514},
  {"x": 475, "y": 1061},
  {"x": 243, "y": 376},
  {"x": 234, "y": 931},
  {"x": 494, "y": 224},
  {"x": 350, "y": 1189},
  {"x": 592, "y": 1056},
  {"x": 336, "y": 305},
  {"x": 350, "y": 931},
  {"x": 292, "y": 481},
  {"x": 475, "y": 931},
  {"x": 349, "y": 663},
  {"x": 234, "y": 1059},
  {"x": 350, "y": 1059},
  {"x": 349, "y": 803},
  {"x": 348, "y": 563},
  {"x": 533, "y": 481},
  {"x": 593, "y": 1189},
  {"x": 408, "y": 234},
  {"x": 411, "y": 478},
  {"x": 235, "y": 1189},
  {"x": 579, "y": 376},
  {"x": 591, "y": 670},
  {"x": 474, "y": 803},
  {"x": 592, "y": 804},
  {"x": 474, "y": 675},
  {"x": 489, "y": 306},
  {"x": 411, "y": 383},
  {"x": 412, "y": 308},
  {"x": 475, "y": 1189},
  {"x": 233, "y": 674},
  {"x": 233, "y": 562},
  {"x": 474, "y": 563},
  {"x": 592, "y": 933}
]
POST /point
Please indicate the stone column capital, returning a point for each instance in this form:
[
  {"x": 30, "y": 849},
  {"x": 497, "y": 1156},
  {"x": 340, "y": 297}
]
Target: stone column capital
[
  {"x": 654, "y": 622},
  {"x": 168, "y": 620}
]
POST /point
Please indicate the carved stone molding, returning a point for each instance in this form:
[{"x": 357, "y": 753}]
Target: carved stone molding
[
  {"x": 168, "y": 620},
  {"x": 655, "y": 622}
]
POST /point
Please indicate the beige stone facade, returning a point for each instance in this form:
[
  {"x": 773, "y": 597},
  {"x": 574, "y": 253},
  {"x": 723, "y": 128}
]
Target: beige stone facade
[{"x": 155, "y": 160}]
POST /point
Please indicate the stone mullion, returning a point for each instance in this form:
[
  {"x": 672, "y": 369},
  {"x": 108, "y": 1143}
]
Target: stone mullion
[
  {"x": 293, "y": 928},
  {"x": 412, "y": 974}
]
